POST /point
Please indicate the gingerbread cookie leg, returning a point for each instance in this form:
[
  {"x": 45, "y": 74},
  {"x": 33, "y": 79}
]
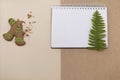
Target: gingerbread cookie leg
[
  {"x": 19, "y": 34},
  {"x": 9, "y": 35},
  {"x": 19, "y": 39}
]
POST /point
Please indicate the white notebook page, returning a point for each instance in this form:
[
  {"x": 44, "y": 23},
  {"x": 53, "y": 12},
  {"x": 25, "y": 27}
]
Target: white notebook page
[{"x": 71, "y": 25}]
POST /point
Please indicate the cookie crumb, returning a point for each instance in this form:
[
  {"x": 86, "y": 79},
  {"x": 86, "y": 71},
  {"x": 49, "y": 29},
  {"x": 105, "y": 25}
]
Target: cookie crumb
[
  {"x": 29, "y": 22},
  {"x": 34, "y": 22},
  {"x": 29, "y": 27},
  {"x": 29, "y": 16},
  {"x": 27, "y": 34},
  {"x": 30, "y": 11}
]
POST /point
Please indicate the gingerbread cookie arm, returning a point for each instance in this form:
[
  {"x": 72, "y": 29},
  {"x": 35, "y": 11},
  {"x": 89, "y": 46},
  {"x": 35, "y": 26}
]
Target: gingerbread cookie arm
[
  {"x": 11, "y": 21},
  {"x": 9, "y": 35}
]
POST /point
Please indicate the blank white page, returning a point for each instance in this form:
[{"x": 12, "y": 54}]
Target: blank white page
[{"x": 71, "y": 25}]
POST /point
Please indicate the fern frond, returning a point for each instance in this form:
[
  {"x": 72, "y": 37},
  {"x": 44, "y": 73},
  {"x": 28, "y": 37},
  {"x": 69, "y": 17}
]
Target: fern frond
[{"x": 97, "y": 33}]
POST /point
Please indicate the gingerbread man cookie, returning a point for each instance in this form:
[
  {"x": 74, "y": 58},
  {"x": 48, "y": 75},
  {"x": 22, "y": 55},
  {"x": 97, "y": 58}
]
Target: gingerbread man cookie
[{"x": 16, "y": 31}]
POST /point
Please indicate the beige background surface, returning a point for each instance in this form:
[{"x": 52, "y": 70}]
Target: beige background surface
[
  {"x": 83, "y": 64},
  {"x": 36, "y": 60}
]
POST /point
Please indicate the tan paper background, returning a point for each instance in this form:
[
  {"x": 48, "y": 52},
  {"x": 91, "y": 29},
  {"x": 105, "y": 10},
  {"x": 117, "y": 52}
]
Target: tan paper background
[{"x": 83, "y": 64}]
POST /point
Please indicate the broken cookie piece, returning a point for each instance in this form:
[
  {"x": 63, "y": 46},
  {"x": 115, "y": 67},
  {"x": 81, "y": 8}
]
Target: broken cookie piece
[{"x": 16, "y": 31}]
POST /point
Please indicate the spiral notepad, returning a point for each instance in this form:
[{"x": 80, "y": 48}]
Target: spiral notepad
[{"x": 71, "y": 25}]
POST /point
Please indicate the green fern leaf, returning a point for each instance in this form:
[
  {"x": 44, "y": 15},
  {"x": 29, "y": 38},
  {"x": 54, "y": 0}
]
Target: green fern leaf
[{"x": 97, "y": 33}]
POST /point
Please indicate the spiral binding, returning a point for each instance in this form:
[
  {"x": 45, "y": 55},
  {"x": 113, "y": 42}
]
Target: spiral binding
[{"x": 82, "y": 6}]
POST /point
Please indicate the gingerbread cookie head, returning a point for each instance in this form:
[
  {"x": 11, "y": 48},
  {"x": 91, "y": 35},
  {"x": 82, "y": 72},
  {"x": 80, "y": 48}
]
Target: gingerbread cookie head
[{"x": 16, "y": 30}]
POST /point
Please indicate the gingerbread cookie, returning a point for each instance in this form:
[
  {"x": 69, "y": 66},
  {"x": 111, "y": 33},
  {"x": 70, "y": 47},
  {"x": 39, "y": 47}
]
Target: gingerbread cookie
[{"x": 16, "y": 31}]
